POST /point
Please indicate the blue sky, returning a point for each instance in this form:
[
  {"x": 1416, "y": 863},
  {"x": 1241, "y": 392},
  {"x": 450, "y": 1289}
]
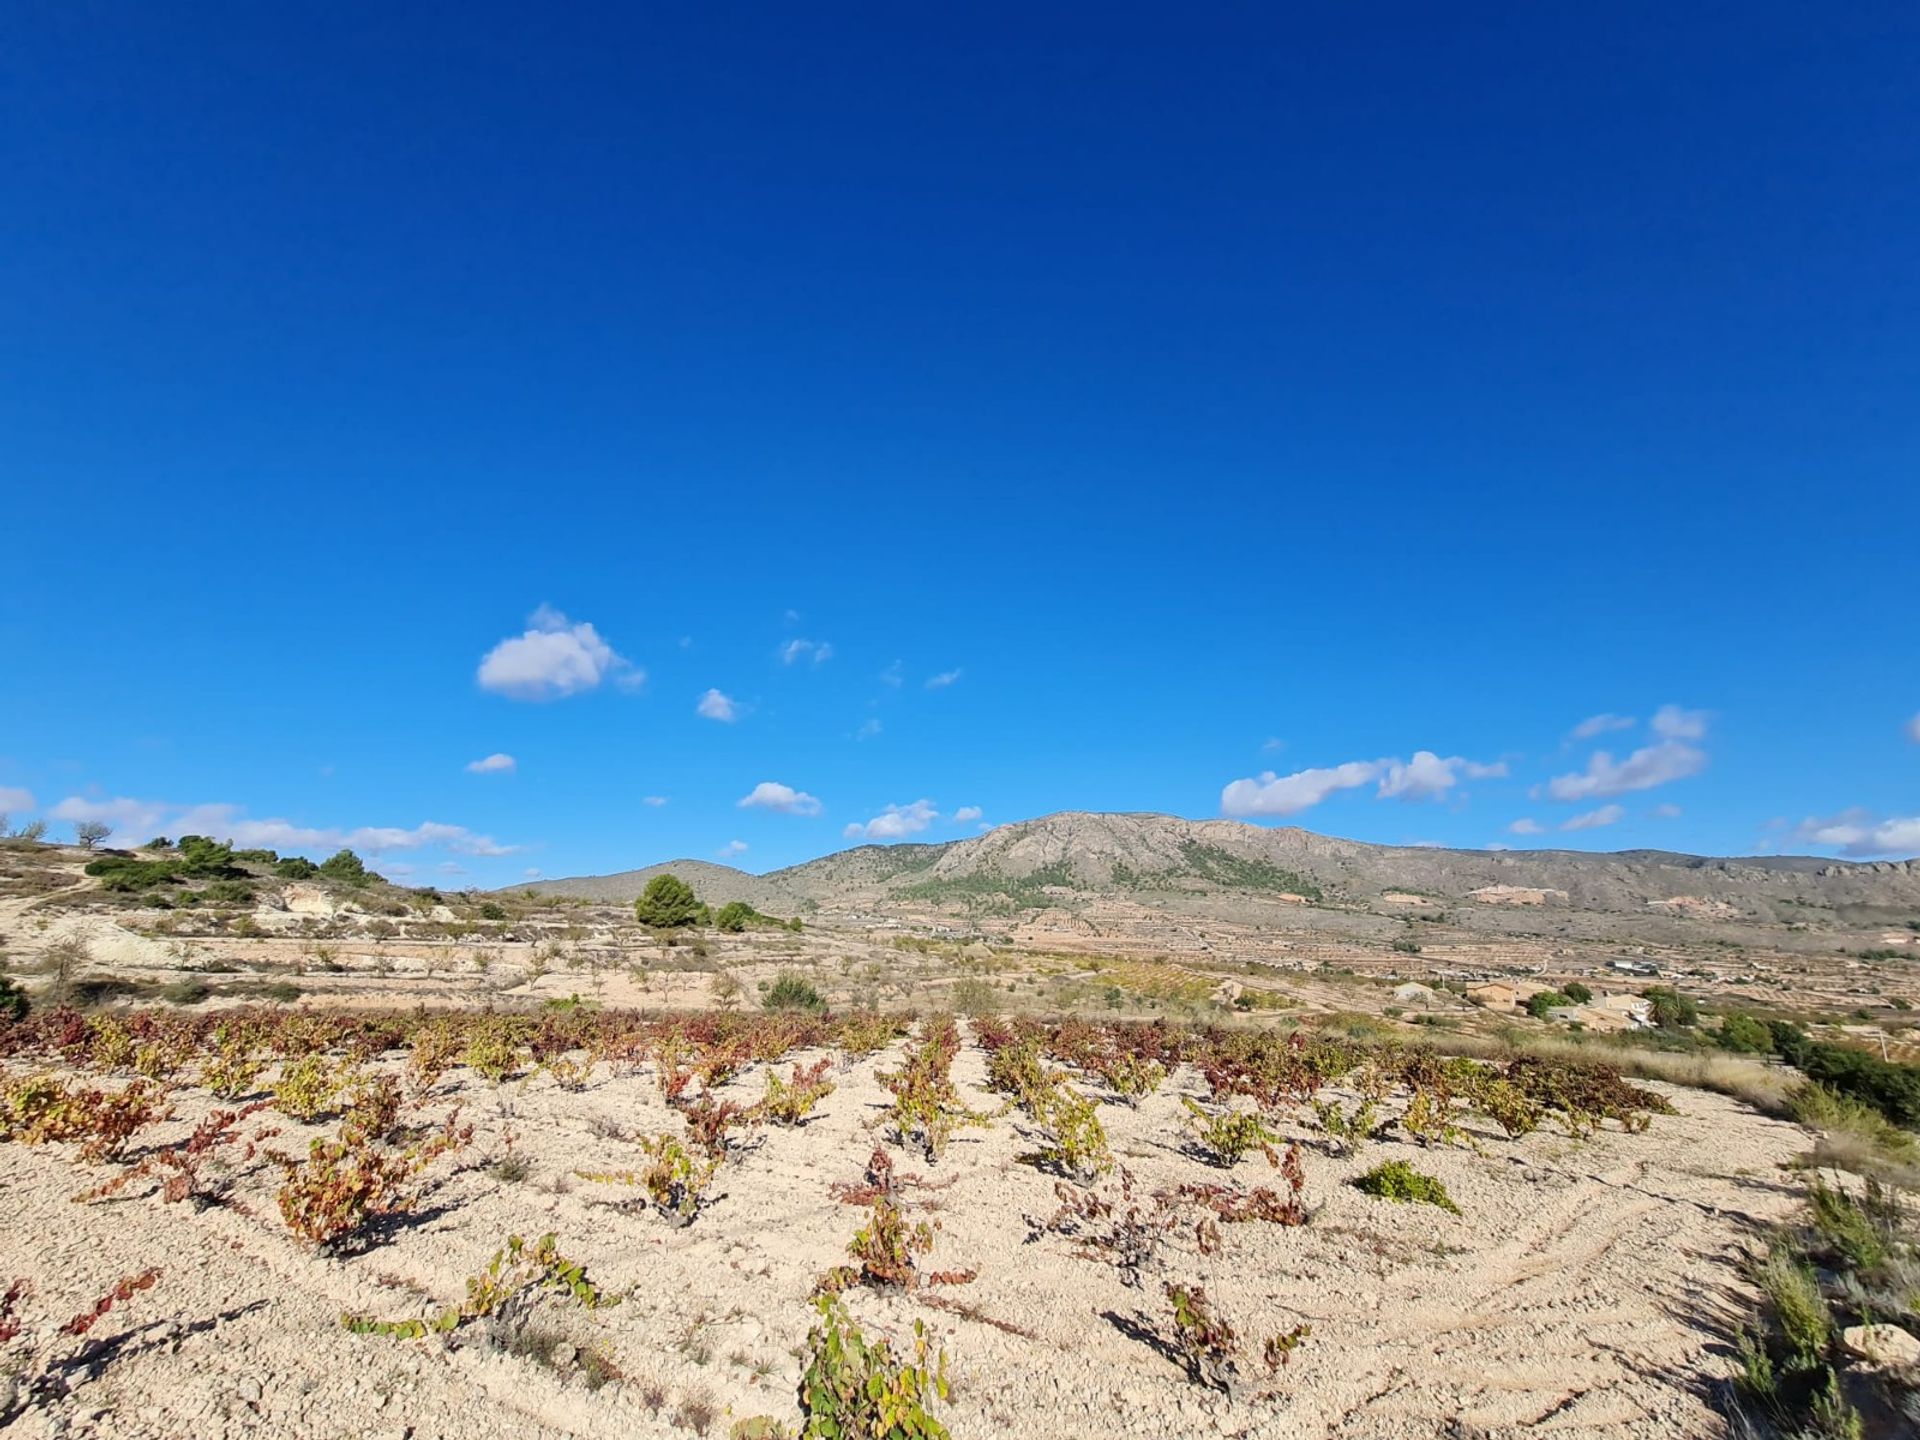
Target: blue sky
[{"x": 1140, "y": 403}]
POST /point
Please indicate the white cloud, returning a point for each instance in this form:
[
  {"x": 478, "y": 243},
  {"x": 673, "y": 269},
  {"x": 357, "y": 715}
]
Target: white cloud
[
  {"x": 731, "y": 849},
  {"x": 1665, "y": 812},
  {"x": 532, "y": 872},
  {"x": 896, "y": 822},
  {"x": 893, "y": 675},
  {"x": 134, "y": 821},
  {"x": 1913, "y": 729},
  {"x": 1670, "y": 722},
  {"x": 1525, "y": 825},
  {"x": 1858, "y": 832},
  {"x": 1273, "y": 744},
  {"x": 1594, "y": 819},
  {"x": 715, "y": 706},
  {"x": 1273, "y": 794},
  {"x": 967, "y": 813},
  {"x": 1427, "y": 776},
  {"x": 15, "y": 799},
  {"x": 494, "y": 764},
  {"x": 1600, "y": 724},
  {"x": 555, "y": 657},
  {"x": 654, "y": 800},
  {"x": 868, "y": 729},
  {"x": 1642, "y": 770},
  {"x": 772, "y": 795},
  {"x": 943, "y": 679},
  {"x": 794, "y": 651}
]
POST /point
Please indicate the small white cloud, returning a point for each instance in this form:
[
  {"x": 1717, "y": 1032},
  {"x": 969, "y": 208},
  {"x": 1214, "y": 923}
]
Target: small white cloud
[
  {"x": 868, "y": 729},
  {"x": 1860, "y": 833},
  {"x": 15, "y": 799},
  {"x": 532, "y": 872},
  {"x": 1913, "y": 729},
  {"x": 1428, "y": 777},
  {"x": 1273, "y": 744},
  {"x": 1642, "y": 770},
  {"x": 450, "y": 867},
  {"x": 1272, "y": 794},
  {"x": 1670, "y": 722},
  {"x": 731, "y": 849},
  {"x": 943, "y": 679},
  {"x": 1599, "y": 725},
  {"x": 1594, "y": 819},
  {"x": 772, "y": 795},
  {"x": 896, "y": 822},
  {"x": 554, "y": 658},
  {"x": 715, "y": 706},
  {"x": 816, "y": 651},
  {"x": 1665, "y": 812},
  {"x": 966, "y": 814},
  {"x": 495, "y": 764},
  {"x": 654, "y": 800},
  {"x": 894, "y": 675},
  {"x": 134, "y": 821},
  {"x": 1526, "y": 826}
]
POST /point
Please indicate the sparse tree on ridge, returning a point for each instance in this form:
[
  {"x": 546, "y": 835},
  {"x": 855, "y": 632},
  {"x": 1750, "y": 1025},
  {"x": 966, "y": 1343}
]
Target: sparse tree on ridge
[{"x": 90, "y": 832}]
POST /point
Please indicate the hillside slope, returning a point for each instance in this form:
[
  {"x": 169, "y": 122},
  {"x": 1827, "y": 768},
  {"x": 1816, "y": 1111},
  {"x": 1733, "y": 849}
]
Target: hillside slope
[
  {"x": 715, "y": 884},
  {"x": 1144, "y": 856}
]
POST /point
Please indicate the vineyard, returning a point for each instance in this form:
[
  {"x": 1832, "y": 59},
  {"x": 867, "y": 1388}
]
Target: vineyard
[{"x": 579, "y": 1221}]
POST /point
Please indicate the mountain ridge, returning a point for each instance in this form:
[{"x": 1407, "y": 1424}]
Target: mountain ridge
[{"x": 1148, "y": 857}]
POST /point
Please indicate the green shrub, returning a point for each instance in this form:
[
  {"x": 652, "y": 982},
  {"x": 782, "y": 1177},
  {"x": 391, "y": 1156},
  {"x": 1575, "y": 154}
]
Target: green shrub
[
  {"x": 296, "y": 867},
  {"x": 668, "y": 903},
  {"x": 1891, "y": 1088},
  {"x": 1398, "y": 1181},
  {"x": 1545, "y": 1000},
  {"x": 1743, "y": 1033},
  {"x": 204, "y": 858},
  {"x": 14, "y": 1004},
  {"x": 1576, "y": 992},
  {"x": 792, "y": 991},
  {"x": 735, "y": 916},
  {"x": 346, "y": 868},
  {"x": 124, "y": 874}
]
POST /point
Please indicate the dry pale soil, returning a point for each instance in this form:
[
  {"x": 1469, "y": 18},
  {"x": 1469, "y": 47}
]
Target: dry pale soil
[{"x": 1589, "y": 1288}]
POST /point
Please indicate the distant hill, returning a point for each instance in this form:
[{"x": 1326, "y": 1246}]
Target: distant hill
[
  {"x": 1160, "y": 858},
  {"x": 716, "y": 884}
]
